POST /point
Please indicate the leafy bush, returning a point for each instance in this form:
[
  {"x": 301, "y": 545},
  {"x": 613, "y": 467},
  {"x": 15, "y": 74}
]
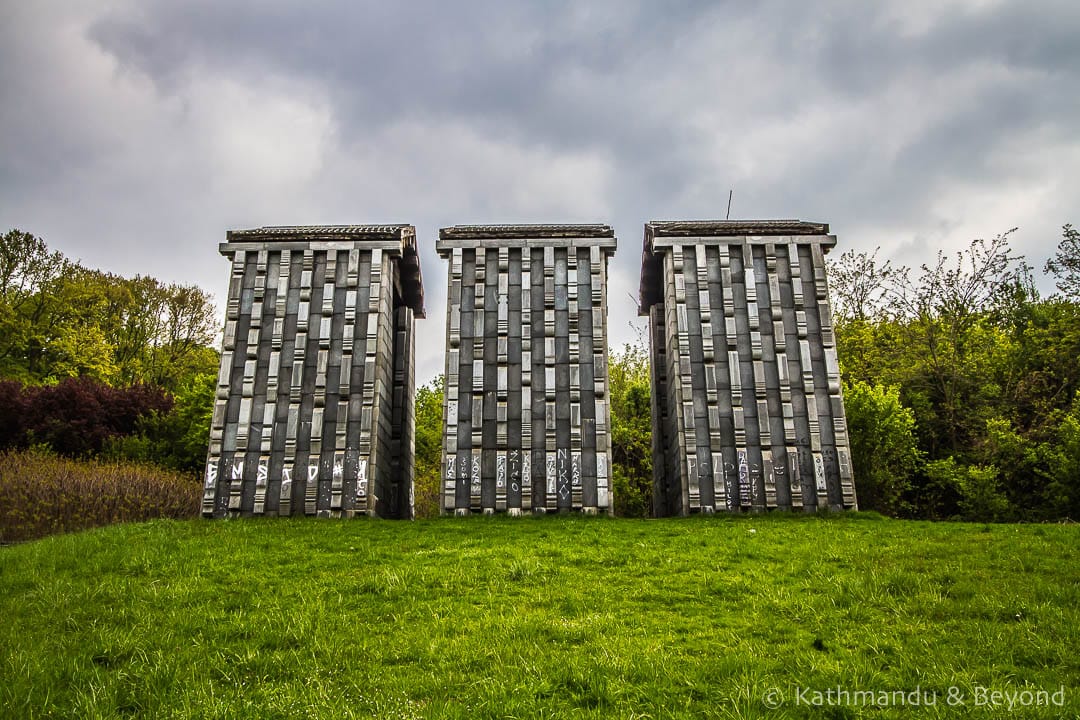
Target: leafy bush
[
  {"x": 429, "y": 431},
  {"x": 42, "y": 494},
  {"x": 76, "y": 416},
  {"x": 633, "y": 496},
  {"x": 177, "y": 439},
  {"x": 1063, "y": 490},
  {"x": 883, "y": 446},
  {"x": 631, "y": 431},
  {"x": 981, "y": 495},
  {"x": 968, "y": 492},
  {"x": 938, "y": 494},
  {"x": 12, "y": 413}
]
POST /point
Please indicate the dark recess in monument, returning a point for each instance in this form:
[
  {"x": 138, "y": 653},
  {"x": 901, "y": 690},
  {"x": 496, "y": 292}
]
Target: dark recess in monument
[
  {"x": 746, "y": 403},
  {"x": 314, "y": 409}
]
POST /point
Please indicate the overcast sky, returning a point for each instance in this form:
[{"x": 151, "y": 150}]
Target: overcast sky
[{"x": 134, "y": 134}]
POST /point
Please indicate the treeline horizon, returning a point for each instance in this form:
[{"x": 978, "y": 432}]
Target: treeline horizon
[
  {"x": 961, "y": 381},
  {"x": 96, "y": 365}
]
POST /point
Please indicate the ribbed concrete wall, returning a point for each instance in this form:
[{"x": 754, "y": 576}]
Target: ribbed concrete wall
[
  {"x": 314, "y": 407},
  {"x": 526, "y": 412},
  {"x": 747, "y": 408}
]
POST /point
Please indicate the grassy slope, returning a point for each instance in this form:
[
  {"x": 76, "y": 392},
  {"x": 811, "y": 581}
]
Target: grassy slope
[{"x": 547, "y": 617}]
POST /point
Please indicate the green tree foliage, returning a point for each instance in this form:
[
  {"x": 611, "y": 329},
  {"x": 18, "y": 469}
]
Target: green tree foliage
[
  {"x": 59, "y": 319},
  {"x": 631, "y": 430},
  {"x": 61, "y": 322},
  {"x": 178, "y": 439},
  {"x": 189, "y": 422},
  {"x": 82, "y": 352},
  {"x": 1040, "y": 370},
  {"x": 986, "y": 368},
  {"x": 32, "y": 283},
  {"x": 1062, "y": 492},
  {"x": 884, "y": 452},
  {"x": 429, "y": 431},
  {"x": 949, "y": 332}
]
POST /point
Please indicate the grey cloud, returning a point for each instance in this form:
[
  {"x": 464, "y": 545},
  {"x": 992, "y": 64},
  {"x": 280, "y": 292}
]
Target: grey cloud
[{"x": 871, "y": 116}]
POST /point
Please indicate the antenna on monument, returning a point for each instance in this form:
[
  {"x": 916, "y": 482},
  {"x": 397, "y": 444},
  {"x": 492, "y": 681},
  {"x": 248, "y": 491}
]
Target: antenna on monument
[{"x": 729, "y": 194}]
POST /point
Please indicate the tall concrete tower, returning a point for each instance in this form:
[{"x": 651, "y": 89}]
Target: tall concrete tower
[
  {"x": 526, "y": 412},
  {"x": 747, "y": 410},
  {"x": 314, "y": 409}
]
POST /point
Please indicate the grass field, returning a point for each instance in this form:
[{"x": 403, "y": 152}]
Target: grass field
[{"x": 545, "y": 617}]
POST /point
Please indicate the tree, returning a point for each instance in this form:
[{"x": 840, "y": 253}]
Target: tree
[
  {"x": 631, "y": 430},
  {"x": 155, "y": 328},
  {"x": 987, "y": 369},
  {"x": 859, "y": 285},
  {"x": 1062, "y": 493},
  {"x": 949, "y": 334},
  {"x": 107, "y": 351},
  {"x": 59, "y": 319},
  {"x": 1065, "y": 265},
  {"x": 31, "y": 280},
  {"x": 429, "y": 432}
]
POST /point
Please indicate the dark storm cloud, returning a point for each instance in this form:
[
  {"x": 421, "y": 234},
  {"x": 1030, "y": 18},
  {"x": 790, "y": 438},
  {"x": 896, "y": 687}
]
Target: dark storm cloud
[
  {"x": 554, "y": 75},
  {"x": 551, "y": 72},
  {"x": 137, "y": 134}
]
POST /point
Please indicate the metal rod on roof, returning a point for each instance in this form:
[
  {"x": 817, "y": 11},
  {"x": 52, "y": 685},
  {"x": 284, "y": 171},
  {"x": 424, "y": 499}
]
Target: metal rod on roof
[{"x": 729, "y": 194}]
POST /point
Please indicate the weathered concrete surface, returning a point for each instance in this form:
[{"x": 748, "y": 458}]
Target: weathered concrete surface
[
  {"x": 526, "y": 411},
  {"x": 314, "y": 407},
  {"x": 747, "y": 410}
]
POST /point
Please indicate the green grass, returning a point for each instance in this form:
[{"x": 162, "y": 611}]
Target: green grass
[{"x": 548, "y": 617}]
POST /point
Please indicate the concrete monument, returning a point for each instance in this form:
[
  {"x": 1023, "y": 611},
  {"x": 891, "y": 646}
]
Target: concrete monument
[
  {"x": 747, "y": 410},
  {"x": 314, "y": 408},
  {"x": 526, "y": 412}
]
